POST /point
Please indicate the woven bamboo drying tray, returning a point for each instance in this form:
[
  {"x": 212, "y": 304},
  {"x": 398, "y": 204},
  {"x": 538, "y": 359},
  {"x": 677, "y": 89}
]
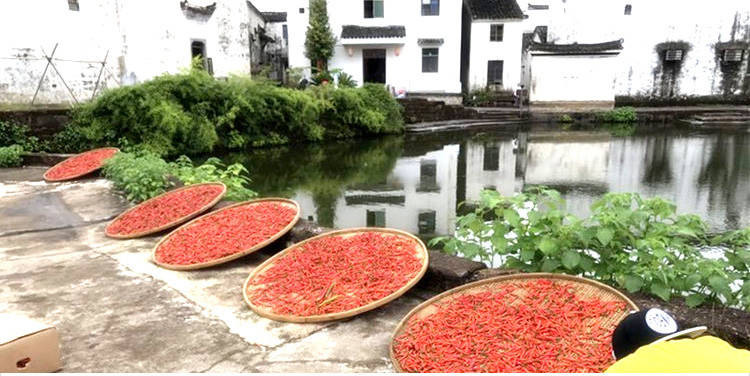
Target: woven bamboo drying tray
[
  {"x": 420, "y": 250},
  {"x": 174, "y": 223},
  {"x": 584, "y": 288},
  {"x": 75, "y": 176},
  {"x": 289, "y": 203}
]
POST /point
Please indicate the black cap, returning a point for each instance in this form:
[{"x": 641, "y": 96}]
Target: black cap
[{"x": 641, "y": 328}]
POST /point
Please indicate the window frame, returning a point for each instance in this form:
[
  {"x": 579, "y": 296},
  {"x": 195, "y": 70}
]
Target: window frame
[
  {"x": 436, "y": 58},
  {"x": 494, "y": 32},
  {"x": 502, "y": 71},
  {"x": 430, "y": 8},
  {"x": 732, "y": 51},
  {"x": 373, "y": 8}
]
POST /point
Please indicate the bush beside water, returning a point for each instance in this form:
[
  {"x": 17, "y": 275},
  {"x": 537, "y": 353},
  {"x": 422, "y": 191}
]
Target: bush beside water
[
  {"x": 193, "y": 113},
  {"x": 630, "y": 242}
]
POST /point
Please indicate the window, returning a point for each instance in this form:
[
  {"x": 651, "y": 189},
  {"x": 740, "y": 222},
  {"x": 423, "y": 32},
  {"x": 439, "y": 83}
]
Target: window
[
  {"x": 628, "y": 9},
  {"x": 73, "y": 5},
  {"x": 426, "y": 223},
  {"x": 496, "y": 33},
  {"x": 673, "y": 55},
  {"x": 301, "y": 10},
  {"x": 285, "y": 32},
  {"x": 430, "y": 7},
  {"x": 428, "y": 176},
  {"x": 429, "y": 60},
  {"x": 376, "y": 218},
  {"x": 491, "y": 157},
  {"x": 733, "y": 56},
  {"x": 495, "y": 72},
  {"x": 374, "y": 8}
]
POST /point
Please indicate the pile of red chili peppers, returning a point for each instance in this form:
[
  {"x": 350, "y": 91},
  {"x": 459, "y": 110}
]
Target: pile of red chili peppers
[
  {"x": 224, "y": 233},
  {"x": 164, "y": 210},
  {"x": 80, "y": 164},
  {"x": 532, "y": 326},
  {"x": 336, "y": 274}
]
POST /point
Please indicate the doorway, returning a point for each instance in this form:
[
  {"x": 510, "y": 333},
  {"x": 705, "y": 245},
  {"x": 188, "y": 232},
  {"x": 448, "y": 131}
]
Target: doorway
[{"x": 373, "y": 66}]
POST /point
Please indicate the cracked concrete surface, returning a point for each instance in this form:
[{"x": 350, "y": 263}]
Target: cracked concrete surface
[{"x": 118, "y": 312}]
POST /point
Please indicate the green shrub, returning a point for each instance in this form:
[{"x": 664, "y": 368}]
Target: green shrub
[
  {"x": 234, "y": 176},
  {"x": 479, "y": 97},
  {"x": 629, "y": 242},
  {"x": 142, "y": 175},
  {"x": 565, "y": 119},
  {"x": 194, "y": 114},
  {"x": 620, "y": 115},
  {"x": 345, "y": 80},
  {"x": 10, "y": 156},
  {"x": 12, "y": 133}
]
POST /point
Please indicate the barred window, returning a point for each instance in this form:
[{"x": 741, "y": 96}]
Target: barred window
[
  {"x": 374, "y": 9},
  {"x": 430, "y": 7},
  {"x": 673, "y": 55},
  {"x": 496, "y": 32},
  {"x": 430, "y": 60},
  {"x": 73, "y": 5},
  {"x": 733, "y": 55}
]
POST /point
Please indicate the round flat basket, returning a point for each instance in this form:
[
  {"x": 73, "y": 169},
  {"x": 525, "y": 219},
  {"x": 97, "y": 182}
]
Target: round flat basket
[
  {"x": 80, "y": 174},
  {"x": 580, "y": 287},
  {"x": 284, "y": 202},
  {"x": 420, "y": 252},
  {"x": 173, "y": 223}
]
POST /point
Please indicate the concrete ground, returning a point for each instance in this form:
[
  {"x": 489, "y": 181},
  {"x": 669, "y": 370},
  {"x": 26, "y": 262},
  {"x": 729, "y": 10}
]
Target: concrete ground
[{"x": 117, "y": 312}]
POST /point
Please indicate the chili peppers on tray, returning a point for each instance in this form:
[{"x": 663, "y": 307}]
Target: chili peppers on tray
[
  {"x": 531, "y": 326},
  {"x": 166, "y": 209},
  {"x": 336, "y": 274},
  {"x": 79, "y": 165},
  {"x": 225, "y": 233}
]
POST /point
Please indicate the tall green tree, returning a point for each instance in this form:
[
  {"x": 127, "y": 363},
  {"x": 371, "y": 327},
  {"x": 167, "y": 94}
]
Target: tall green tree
[{"x": 319, "y": 42}]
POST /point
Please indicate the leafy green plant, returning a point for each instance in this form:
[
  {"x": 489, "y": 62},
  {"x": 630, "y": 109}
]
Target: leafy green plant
[
  {"x": 319, "y": 39},
  {"x": 12, "y": 133},
  {"x": 213, "y": 170},
  {"x": 629, "y": 242},
  {"x": 565, "y": 118},
  {"x": 479, "y": 97},
  {"x": 619, "y": 115},
  {"x": 140, "y": 176},
  {"x": 10, "y": 156},
  {"x": 194, "y": 114},
  {"x": 345, "y": 80}
]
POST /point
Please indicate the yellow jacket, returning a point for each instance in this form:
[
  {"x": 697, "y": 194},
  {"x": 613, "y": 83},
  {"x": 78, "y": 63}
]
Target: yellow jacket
[{"x": 703, "y": 354}]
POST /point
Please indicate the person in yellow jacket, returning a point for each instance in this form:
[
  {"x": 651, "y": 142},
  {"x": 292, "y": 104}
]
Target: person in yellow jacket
[{"x": 649, "y": 341}]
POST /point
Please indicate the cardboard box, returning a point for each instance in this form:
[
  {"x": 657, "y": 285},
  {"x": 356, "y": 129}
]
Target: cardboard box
[{"x": 28, "y": 346}]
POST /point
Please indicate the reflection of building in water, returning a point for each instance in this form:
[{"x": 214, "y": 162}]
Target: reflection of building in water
[
  {"x": 418, "y": 196},
  {"x": 491, "y": 165}
]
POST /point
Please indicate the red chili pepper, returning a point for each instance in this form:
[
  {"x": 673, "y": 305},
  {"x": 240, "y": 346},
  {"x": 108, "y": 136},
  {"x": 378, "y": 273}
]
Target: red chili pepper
[
  {"x": 336, "y": 274},
  {"x": 224, "y": 233},
  {"x": 80, "y": 164},
  {"x": 506, "y": 331},
  {"x": 164, "y": 210}
]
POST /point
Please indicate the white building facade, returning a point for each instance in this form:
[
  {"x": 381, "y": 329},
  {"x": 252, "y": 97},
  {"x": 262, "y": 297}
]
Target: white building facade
[{"x": 94, "y": 45}]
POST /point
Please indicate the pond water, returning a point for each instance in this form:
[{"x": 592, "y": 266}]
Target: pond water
[{"x": 415, "y": 182}]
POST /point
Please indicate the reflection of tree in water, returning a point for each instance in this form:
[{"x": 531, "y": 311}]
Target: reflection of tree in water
[
  {"x": 658, "y": 166},
  {"x": 728, "y": 167},
  {"x": 324, "y": 170}
]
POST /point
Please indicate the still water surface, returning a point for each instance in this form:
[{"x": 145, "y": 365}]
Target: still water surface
[{"x": 415, "y": 182}]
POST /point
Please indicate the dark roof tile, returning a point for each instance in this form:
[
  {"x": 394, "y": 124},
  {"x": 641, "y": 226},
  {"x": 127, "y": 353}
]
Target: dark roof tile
[
  {"x": 494, "y": 9},
  {"x": 362, "y": 32},
  {"x": 274, "y": 16},
  {"x": 577, "y": 48}
]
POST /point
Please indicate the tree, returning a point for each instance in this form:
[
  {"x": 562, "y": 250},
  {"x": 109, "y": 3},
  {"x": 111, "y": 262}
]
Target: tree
[{"x": 319, "y": 42}]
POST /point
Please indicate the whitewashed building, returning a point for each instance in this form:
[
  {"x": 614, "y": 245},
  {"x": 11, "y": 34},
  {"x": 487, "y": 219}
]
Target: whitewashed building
[{"x": 94, "y": 45}]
